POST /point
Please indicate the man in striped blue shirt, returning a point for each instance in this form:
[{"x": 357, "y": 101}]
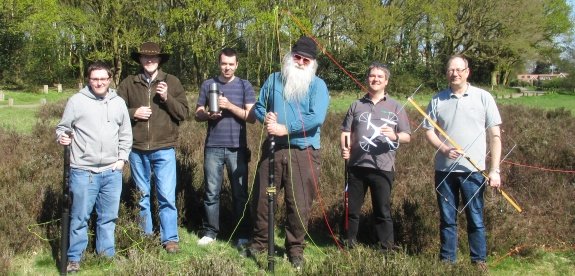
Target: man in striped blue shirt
[{"x": 226, "y": 145}]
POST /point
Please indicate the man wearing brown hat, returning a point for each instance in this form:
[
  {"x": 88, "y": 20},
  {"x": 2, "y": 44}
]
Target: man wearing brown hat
[
  {"x": 293, "y": 105},
  {"x": 157, "y": 104}
]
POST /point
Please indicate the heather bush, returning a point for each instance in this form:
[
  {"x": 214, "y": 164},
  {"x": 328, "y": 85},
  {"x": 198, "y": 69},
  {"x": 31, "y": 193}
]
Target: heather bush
[{"x": 31, "y": 185}]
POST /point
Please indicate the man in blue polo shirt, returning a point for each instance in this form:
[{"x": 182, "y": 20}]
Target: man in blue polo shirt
[{"x": 226, "y": 145}]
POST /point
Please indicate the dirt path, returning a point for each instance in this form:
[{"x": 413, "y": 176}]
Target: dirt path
[{"x": 525, "y": 93}]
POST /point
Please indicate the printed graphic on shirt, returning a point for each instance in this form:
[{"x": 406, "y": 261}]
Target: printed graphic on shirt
[{"x": 376, "y": 139}]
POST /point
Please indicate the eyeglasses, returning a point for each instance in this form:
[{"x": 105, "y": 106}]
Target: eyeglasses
[
  {"x": 306, "y": 61},
  {"x": 458, "y": 70},
  {"x": 100, "y": 79}
]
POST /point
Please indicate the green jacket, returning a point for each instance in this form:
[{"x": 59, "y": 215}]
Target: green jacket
[{"x": 161, "y": 130}]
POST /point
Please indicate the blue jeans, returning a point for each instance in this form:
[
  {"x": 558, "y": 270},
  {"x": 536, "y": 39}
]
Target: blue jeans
[
  {"x": 162, "y": 163},
  {"x": 448, "y": 186},
  {"x": 237, "y": 168},
  {"x": 88, "y": 189}
]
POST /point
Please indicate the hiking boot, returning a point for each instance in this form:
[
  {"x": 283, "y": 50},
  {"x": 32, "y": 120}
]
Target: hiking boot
[
  {"x": 205, "y": 240},
  {"x": 241, "y": 245},
  {"x": 297, "y": 262},
  {"x": 350, "y": 243},
  {"x": 482, "y": 267},
  {"x": 172, "y": 247},
  {"x": 253, "y": 252},
  {"x": 73, "y": 267},
  {"x": 390, "y": 250}
]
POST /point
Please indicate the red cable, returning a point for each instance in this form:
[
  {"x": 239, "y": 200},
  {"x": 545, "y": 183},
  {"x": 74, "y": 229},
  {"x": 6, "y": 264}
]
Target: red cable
[
  {"x": 320, "y": 199},
  {"x": 538, "y": 168},
  {"x": 328, "y": 54}
]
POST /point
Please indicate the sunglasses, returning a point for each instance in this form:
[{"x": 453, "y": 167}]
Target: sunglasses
[{"x": 306, "y": 61}]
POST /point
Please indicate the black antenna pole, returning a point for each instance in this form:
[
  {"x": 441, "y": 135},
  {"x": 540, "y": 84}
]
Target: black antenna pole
[
  {"x": 65, "y": 219},
  {"x": 271, "y": 191},
  {"x": 346, "y": 194}
]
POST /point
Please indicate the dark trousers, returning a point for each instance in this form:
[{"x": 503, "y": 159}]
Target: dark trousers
[
  {"x": 297, "y": 177},
  {"x": 379, "y": 183}
]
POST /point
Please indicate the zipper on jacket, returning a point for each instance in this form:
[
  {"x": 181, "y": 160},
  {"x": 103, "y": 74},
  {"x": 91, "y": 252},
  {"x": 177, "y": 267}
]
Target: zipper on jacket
[{"x": 149, "y": 106}]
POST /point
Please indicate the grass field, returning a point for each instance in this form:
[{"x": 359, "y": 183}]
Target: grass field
[
  {"x": 548, "y": 101},
  {"x": 29, "y": 98},
  {"x": 340, "y": 101},
  {"x": 198, "y": 260},
  {"x": 21, "y": 117}
]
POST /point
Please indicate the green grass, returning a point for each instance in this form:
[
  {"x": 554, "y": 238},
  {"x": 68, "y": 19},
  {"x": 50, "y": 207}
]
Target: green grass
[
  {"x": 547, "y": 101},
  {"x": 30, "y": 98},
  {"x": 143, "y": 257},
  {"x": 538, "y": 263},
  {"x": 20, "y": 120},
  {"x": 21, "y": 117},
  {"x": 41, "y": 262},
  {"x": 340, "y": 101}
]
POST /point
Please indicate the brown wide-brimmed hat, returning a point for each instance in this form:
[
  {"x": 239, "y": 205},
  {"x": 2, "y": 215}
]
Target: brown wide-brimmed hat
[{"x": 150, "y": 49}]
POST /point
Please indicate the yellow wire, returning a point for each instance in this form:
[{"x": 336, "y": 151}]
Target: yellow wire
[{"x": 259, "y": 150}]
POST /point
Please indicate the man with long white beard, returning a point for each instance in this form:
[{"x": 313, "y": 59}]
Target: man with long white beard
[{"x": 292, "y": 105}]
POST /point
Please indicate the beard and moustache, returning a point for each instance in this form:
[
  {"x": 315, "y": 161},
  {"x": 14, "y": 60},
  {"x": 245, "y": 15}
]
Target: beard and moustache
[{"x": 297, "y": 79}]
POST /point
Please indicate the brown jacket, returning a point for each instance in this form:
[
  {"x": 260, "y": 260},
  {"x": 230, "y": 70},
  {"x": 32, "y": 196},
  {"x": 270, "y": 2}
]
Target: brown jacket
[{"x": 161, "y": 130}]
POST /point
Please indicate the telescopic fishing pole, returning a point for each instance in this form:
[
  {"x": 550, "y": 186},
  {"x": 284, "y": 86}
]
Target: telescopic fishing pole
[
  {"x": 346, "y": 193},
  {"x": 66, "y": 203},
  {"x": 271, "y": 191}
]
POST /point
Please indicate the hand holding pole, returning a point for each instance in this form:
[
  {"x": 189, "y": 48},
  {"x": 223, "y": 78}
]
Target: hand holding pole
[
  {"x": 457, "y": 147},
  {"x": 66, "y": 203}
]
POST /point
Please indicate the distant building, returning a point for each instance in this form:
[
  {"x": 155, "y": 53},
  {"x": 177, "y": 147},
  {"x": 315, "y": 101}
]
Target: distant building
[{"x": 531, "y": 78}]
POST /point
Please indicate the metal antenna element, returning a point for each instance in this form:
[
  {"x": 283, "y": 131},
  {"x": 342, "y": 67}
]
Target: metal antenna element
[{"x": 455, "y": 145}]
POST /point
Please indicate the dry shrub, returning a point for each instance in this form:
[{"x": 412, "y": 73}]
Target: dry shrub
[{"x": 31, "y": 181}]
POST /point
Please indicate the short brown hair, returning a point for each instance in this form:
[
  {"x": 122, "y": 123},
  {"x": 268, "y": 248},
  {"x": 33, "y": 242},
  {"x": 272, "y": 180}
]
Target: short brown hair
[
  {"x": 378, "y": 65},
  {"x": 228, "y": 52},
  {"x": 99, "y": 65},
  {"x": 458, "y": 56}
]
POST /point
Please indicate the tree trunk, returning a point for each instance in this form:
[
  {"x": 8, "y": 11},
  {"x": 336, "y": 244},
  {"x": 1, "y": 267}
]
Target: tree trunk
[
  {"x": 494, "y": 77},
  {"x": 117, "y": 58},
  {"x": 505, "y": 80}
]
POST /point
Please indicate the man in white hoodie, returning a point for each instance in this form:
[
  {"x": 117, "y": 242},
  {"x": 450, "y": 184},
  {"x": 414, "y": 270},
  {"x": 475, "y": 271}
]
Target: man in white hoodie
[{"x": 100, "y": 141}]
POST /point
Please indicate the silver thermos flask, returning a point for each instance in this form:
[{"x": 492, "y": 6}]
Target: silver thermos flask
[{"x": 213, "y": 95}]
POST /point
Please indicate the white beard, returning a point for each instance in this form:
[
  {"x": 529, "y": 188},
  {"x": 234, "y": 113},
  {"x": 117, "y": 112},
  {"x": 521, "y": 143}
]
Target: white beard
[{"x": 297, "y": 79}]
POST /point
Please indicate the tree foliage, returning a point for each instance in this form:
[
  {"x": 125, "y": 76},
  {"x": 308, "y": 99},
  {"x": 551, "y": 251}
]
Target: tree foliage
[{"x": 51, "y": 41}]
